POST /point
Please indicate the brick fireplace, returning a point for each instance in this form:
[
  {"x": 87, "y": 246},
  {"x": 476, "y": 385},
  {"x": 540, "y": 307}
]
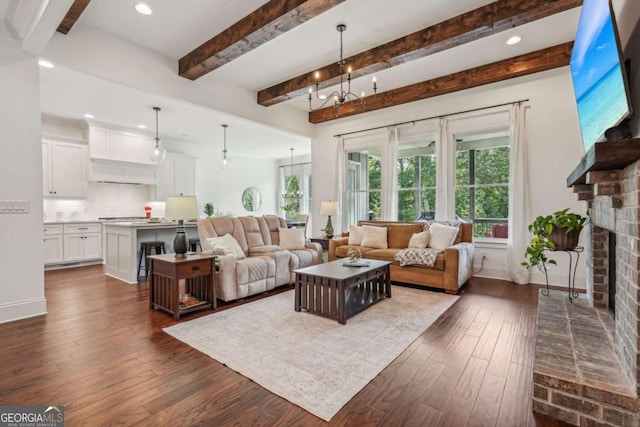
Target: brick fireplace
[{"x": 587, "y": 367}]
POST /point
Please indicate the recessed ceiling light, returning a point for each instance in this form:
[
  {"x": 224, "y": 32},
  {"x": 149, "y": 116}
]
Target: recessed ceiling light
[
  {"x": 89, "y": 116},
  {"x": 142, "y": 126},
  {"x": 514, "y": 40},
  {"x": 45, "y": 64},
  {"x": 322, "y": 96},
  {"x": 143, "y": 9}
]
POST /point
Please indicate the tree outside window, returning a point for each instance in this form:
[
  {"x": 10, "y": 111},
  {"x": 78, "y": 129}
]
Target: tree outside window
[
  {"x": 416, "y": 170},
  {"x": 364, "y": 184},
  {"x": 482, "y": 183},
  {"x": 291, "y": 205}
]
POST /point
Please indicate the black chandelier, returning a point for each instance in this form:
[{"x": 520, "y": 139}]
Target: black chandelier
[{"x": 342, "y": 96}]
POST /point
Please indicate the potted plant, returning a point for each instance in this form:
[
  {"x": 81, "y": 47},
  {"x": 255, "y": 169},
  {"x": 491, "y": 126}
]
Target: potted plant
[
  {"x": 208, "y": 209},
  {"x": 558, "y": 231}
]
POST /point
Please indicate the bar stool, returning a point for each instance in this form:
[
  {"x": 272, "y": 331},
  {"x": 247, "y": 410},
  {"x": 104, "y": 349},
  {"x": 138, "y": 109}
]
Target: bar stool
[
  {"x": 145, "y": 251},
  {"x": 193, "y": 245}
]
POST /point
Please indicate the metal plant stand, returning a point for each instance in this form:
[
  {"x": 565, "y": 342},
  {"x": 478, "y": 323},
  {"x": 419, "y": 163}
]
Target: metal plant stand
[{"x": 572, "y": 272}]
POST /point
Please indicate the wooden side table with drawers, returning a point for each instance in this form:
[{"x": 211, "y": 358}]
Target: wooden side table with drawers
[{"x": 165, "y": 273}]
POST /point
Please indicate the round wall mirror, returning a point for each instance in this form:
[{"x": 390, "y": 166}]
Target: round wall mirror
[{"x": 251, "y": 199}]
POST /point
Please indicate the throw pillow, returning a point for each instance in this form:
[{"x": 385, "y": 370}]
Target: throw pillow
[
  {"x": 291, "y": 238},
  {"x": 442, "y": 236},
  {"x": 228, "y": 244},
  {"x": 374, "y": 237},
  {"x": 419, "y": 240},
  {"x": 355, "y": 235}
]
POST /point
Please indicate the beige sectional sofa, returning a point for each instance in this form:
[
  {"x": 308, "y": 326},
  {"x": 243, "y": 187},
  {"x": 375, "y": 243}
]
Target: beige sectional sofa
[
  {"x": 453, "y": 266},
  {"x": 262, "y": 263}
]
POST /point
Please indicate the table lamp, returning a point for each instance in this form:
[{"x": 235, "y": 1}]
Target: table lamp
[
  {"x": 181, "y": 208},
  {"x": 329, "y": 208}
]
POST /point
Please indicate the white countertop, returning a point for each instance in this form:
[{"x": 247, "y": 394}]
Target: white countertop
[
  {"x": 145, "y": 224},
  {"x": 142, "y": 223},
  {"x": 73, "y": 221}
]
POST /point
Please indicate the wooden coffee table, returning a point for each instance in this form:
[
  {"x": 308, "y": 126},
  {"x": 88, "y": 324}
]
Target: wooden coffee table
[{"x": 337, "y": 291}]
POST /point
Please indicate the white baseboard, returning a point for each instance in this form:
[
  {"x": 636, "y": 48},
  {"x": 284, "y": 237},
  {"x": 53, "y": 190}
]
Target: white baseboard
[
  {"x": 492, "y": 273},
  {"x": 22, "y": 310},
  {"x": 555, "y": 279}
]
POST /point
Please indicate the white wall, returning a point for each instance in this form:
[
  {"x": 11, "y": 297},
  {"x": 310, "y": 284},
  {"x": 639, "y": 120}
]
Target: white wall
[
  {"x": 21, "y": 252},
  {"x": 554, "y": 143},
  {"x": 224, "y": 188}
]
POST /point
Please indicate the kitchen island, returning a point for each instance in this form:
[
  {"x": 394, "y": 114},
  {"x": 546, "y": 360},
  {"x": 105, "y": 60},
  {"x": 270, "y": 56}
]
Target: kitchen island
[{"x": 122, "y": 244}]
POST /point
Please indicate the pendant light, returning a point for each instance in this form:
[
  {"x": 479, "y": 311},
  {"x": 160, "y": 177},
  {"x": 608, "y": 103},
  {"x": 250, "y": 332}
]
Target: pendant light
[
  {"x": 158, "y": 153},
  {"x": 225, "y": 161}
]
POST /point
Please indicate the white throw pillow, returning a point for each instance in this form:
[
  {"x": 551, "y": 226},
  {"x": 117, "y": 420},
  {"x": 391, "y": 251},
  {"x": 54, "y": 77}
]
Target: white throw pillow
[
  {"x": 291, "y": 238},
  {"x": 228, "y": 244},
  {"x": 374, "y": 237},
  {"x": 419, "y": 240},
  {"x": 355, "y": 235},
  {"x": 442, "y": 236}
]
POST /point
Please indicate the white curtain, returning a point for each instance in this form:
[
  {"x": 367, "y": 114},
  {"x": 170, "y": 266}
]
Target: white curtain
[
  {"x": 445, "y": 172},
  {"x": 281, "y": 189},
  {"x": 519, "y": 196},
  {"x": 390, "y": 177},
  {"x": 341, "y": 185}
]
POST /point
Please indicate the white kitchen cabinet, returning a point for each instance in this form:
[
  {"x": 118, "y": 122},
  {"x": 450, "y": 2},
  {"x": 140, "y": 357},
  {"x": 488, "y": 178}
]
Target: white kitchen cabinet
[
  {"x": 176, "y": 176},
  {"x": 120, "y": 146},
  {"x": 126, "y": 146},
  {"x": 82, "y": 242},
  {"x": 53, "y": 245},
  {"x": 99, "y": 143},
  {"x": 64, "y": 169}
]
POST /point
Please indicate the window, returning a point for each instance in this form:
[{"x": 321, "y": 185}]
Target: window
[
  {"x": 364, "y": 183},
  {"x": 482, "y": 183},
  {"x": 295, "y": 180},
  {"x": 416, "y": 171},
  {"x": 291, "y": 205}
]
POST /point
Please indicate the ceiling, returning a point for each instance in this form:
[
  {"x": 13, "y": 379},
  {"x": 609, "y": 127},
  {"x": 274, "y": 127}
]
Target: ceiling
[{"x": 177, "y": 27}]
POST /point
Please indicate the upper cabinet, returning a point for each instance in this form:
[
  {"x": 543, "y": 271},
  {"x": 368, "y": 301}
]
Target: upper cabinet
[
  {"x": 64, "y": 169},
  {"x": 176, "y": 176},
  {"x": 120, "y": 146},
  {"x": 99, "y": 143}
]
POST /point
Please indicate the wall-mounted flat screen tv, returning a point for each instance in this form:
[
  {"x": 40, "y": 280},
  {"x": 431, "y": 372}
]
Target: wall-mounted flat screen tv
[{"x": 598, "y": 72}]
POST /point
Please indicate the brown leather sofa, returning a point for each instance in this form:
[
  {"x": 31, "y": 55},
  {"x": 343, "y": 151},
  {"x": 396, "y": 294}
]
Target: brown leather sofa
[{"x": 452, "y": 268}]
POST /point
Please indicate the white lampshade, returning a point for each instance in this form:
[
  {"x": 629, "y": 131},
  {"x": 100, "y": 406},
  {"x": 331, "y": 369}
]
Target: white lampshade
[
  {"x": 329, "y": 208},
  {"x": 181, "y": 207}
]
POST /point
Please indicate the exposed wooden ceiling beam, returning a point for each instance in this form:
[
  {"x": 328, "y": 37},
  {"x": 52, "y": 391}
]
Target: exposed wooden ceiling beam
[
  {"x": 72, "y": 15},
  {"x": 484, "y": 21},
  {"x": 541, "y": 60},
  {"x": 263, "y": 24}
]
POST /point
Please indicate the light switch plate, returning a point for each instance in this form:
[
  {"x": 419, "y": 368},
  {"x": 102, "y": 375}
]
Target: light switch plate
[{"x": 14, "y": 206}]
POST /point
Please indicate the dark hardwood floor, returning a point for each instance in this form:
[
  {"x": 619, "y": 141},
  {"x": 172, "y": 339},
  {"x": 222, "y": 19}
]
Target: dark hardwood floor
[{"x": 102, "y": 354}]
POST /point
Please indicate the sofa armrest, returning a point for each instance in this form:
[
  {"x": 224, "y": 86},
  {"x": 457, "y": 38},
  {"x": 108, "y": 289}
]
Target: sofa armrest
[
  {"x": 334, "y": 244},
  {"x": 458, "y": 265},
  {"x": 314, "y": 246},
  {"x": 226, "y": 277}
]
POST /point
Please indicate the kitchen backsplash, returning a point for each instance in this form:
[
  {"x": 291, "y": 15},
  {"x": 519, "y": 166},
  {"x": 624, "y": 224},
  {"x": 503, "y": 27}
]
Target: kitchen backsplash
[{"x": 104, "y": 200}]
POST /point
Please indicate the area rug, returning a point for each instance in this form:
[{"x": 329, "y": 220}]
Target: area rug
[{"x": 309, "y": 360}]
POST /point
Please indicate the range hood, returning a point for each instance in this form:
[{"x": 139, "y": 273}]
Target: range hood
[{"x": 121, "y": 172}]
